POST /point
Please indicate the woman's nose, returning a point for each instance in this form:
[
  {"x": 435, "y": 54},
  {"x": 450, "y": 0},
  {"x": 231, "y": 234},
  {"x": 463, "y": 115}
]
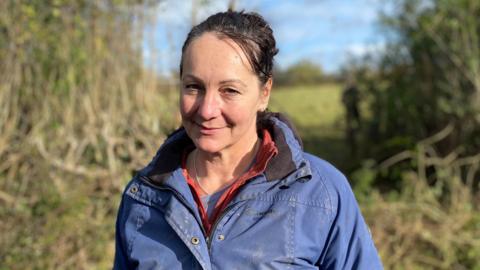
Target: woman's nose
[{"x": 209, "y": 106}]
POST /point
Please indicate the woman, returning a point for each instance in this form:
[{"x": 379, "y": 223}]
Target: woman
[{"x": 232, "y": 188}]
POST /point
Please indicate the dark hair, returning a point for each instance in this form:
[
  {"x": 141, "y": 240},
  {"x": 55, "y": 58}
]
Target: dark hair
[{"x": 248, "y": 30}]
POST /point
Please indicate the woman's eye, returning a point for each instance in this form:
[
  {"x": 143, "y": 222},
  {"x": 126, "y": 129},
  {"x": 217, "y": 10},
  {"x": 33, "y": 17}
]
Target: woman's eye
[
  {"x": 192, "y": 87},
  {"x": 231, "y": 91}
]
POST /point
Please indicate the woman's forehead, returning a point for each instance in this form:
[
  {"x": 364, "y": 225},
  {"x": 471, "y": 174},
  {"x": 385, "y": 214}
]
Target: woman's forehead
[{"x": 209, "y": 52}]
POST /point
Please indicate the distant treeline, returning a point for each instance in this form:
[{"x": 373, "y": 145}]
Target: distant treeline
[{"x": 303, "y": 72}]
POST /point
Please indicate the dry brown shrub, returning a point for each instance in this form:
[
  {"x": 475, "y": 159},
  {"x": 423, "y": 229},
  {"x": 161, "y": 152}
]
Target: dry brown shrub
[
  {"x": 434, "y": 222},
  {"x": 78, "y": 113}
]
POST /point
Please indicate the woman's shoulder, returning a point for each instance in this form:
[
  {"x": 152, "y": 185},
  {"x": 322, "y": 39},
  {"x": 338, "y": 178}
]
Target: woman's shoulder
[
  {"x": 350, "y": 241},
  {"x": 327, "y": 175}
]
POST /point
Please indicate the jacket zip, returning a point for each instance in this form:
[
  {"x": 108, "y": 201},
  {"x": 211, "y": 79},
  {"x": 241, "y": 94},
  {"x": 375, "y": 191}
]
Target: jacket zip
[
  {"x": 224, "y": 212},
  {"x": 177, "y": 194},
  {"x": 212, "y": 230}
]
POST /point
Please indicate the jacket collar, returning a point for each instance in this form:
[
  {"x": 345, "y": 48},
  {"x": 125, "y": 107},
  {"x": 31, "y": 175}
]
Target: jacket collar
[{"x": 288, "y": 159}]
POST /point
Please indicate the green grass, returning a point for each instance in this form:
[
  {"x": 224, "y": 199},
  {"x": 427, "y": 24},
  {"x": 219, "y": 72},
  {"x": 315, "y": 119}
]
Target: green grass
[
  {"x": 307, "y": 106},
  {"x": 318, "y": 114}
]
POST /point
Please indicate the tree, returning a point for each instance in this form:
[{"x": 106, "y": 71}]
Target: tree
[
  {"x": 428, "y": 77},
  {"x": 303, "y": 72}
]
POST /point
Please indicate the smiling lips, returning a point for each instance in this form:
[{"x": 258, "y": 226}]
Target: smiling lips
[{"x": 208, "y": 130}]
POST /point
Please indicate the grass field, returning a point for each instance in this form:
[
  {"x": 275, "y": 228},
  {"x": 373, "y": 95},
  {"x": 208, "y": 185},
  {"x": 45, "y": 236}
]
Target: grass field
[
  {"x": 316, "y": 105},
  {"x": 318, "y": 114}
]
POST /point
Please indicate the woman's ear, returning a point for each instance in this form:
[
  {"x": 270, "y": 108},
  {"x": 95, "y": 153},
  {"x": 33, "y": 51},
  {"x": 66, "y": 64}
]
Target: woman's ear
[{"x": 265, "y": 94}]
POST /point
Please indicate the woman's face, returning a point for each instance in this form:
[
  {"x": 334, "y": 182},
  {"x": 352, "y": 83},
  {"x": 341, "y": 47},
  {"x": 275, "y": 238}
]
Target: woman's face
[{"x": 220, "y": 95}]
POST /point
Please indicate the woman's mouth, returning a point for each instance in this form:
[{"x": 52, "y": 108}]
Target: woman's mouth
[{"x": 208, "y": 130}]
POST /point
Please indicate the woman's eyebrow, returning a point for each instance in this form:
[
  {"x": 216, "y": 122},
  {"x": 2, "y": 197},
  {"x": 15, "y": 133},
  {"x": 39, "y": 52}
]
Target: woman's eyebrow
[
  {"x": 193, "y": 77},
  {"x": 233, "y": 81},
  {"x": 190, "y": 76}
]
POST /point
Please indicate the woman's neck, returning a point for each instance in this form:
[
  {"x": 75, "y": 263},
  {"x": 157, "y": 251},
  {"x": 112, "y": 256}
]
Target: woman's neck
[{"x": 215, "y": 170}]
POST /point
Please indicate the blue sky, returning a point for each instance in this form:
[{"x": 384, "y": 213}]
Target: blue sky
[{"x": 326, "y": 32}]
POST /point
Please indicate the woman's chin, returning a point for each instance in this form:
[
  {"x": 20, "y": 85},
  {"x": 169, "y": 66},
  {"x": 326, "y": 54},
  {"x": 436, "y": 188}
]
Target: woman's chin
[{"x": 209, "y": 146}]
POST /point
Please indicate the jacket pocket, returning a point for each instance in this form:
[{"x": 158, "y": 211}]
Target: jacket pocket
[{"x": 152, "y": 243}]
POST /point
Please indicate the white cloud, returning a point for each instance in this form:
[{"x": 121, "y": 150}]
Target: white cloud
[{"x": 361, "y": 49}]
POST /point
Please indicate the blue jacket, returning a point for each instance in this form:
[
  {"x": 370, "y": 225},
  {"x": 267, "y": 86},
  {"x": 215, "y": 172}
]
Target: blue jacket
[{"x": 299, "y": 214}]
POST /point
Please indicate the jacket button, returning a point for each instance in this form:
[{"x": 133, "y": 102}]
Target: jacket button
[
  {"x": 195, "y": 240},
  {"x": 221, "y": 237},
  {"x": 134, "y": 189}
]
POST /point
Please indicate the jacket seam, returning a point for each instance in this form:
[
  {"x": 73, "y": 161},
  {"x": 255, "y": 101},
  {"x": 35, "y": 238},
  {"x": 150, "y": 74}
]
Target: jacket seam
[
  {"x": 287, "y": 199},
  {"x": 145, "y": 202},
  {"x": 140, "y": 199},
  {"x": 322, "y": 179},
  {"x": 291, "y": 251}
]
